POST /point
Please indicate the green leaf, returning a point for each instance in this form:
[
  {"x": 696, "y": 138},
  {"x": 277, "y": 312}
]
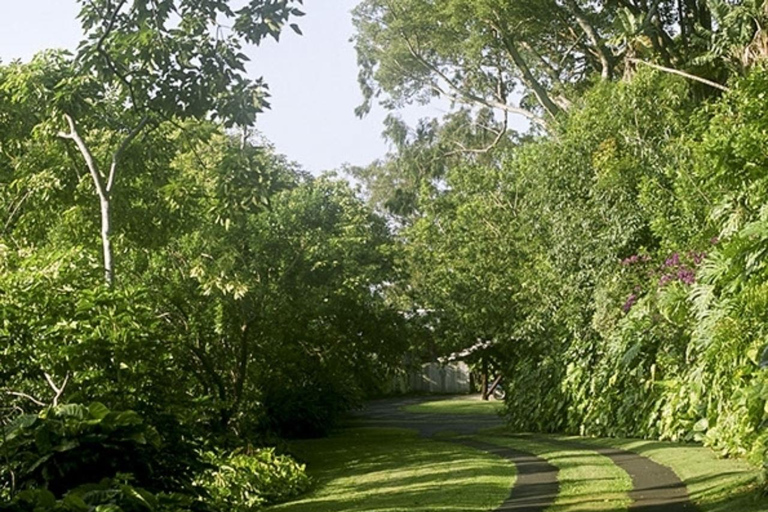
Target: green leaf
[
  {"x": 701, "y": 426},
  {"x": 75, "y": 503},
  {"x": 98, "y": 410}
]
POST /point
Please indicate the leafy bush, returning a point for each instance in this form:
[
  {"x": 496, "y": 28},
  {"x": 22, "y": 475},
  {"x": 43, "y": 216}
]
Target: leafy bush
[
  {"x": 109, "y": 495},
  {"x": 244, "y": 481},
  {"x": 67, "y": 446}
]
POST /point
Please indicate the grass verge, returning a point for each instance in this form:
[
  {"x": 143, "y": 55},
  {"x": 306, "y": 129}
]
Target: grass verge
[
  {"x": 464, "y": 405},
  {"x": 588, "y": 481},
  {"x": 392, "y": 470}
]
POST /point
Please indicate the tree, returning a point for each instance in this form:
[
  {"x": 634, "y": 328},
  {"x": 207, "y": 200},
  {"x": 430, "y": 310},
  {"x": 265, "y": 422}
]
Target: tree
[
  {"x": 398, "y": 184},
  {"x": 147, "y": 61},
  {"x": 517, "y": 57}
]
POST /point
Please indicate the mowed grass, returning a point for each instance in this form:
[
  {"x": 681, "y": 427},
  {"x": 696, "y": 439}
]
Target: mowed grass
[
  {"x": 588, "y": 481},
  {"x": 714, "y": 484},
  {"x": 393, "y": 470},
  {"x": 463, "y": 405}
]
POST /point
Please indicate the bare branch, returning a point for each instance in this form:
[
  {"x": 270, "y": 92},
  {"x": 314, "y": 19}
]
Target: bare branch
[
  {"x": 87, "y": 155},
  {"x": 14, "y": 210},
  {"x": 464, "y": 97},
  {"x": 683, "y": 74},
  {"x": 28, "y": 397},
  {"x": 479, "y": 151},
  {"x": 56, "y": 389}
]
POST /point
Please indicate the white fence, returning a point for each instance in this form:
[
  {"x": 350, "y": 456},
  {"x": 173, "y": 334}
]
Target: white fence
[{"x": 450, "y": 378}]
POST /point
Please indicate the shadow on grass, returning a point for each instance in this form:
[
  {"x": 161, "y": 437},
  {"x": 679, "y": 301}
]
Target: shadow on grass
[
  {"x": 713, "y": 484},
  {"x": 394, "y": 470}
]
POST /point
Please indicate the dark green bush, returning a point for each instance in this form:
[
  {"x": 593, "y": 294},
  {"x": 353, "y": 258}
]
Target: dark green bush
[
  {"x": 66, "y": 446},
  {"x": 109, "y": 495}
]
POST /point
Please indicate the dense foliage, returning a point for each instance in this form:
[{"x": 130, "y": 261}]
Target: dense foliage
[
  {"x": 243, "y": 482},
  {"x": 175, "y": 297},
  {"x": 620, "y": 266},
  {"x": 213, "y": 297},
  {"x": 616, "y": 254}
]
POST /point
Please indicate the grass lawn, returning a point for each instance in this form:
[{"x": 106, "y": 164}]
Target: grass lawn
[
  {"x": 462, "y": 405},
  {"x": 714, "y": 484},
  {"x": 392, "y": 470},
  {"x": 588, "y": 481}
]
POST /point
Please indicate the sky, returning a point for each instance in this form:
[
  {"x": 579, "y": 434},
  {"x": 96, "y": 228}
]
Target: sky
[{"x": 312, "y": 79}]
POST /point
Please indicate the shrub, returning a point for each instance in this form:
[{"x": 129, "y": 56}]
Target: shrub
[
  {"x": 244, "y": 481},
  {"x": 64, "y": 446},
  {"x": 109, "y": 495}
]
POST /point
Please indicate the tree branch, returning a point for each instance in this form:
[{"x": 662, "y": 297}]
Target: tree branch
[
  {"x": 605, "y": 56},
  {"x": 100, "y": 49},
  {"x": 56, "y": 389},
  {"x": 527, "y": 75},
  {"x": 28, "y": 397},
  {"x": 117, "y": 154},
  {"x": 87, "y": 155},
  {"x": 683, "y": 74},
  {"x": 464, "y": 96}
]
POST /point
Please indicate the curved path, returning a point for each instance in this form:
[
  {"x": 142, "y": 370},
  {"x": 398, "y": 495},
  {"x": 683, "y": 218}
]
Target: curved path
[{"x": 655, "y": 487}]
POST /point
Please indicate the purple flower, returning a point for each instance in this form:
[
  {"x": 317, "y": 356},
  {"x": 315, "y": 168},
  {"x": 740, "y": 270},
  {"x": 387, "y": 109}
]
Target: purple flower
[
  {"x": 714, "y": 240},
  {"x": 687, "y": 276},
  {"x": 630, "y": 302},
  {"x": 699, "y": 257},
  {"x": 635, "y": 258},
  {"x": 665, "y": 279},
  {"x": 673, "y": 261}
]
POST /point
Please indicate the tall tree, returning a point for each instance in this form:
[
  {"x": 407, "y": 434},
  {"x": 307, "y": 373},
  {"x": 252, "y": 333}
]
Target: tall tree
[
  {"x": 517, "y": 57},
  {"x": 159, "y": 60}
]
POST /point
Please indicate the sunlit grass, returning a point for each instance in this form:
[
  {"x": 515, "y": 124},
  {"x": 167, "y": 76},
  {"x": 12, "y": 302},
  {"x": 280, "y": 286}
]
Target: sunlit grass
[
  {"x": 588, "y": 481},
  {"x": 464, "y": 405},
  {"x": 390, "y": 470},
  {"x": 714, "y": 484}
]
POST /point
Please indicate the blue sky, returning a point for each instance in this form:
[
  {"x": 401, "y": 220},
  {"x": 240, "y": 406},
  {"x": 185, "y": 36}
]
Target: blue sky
[{"x": 313, "y": 78}]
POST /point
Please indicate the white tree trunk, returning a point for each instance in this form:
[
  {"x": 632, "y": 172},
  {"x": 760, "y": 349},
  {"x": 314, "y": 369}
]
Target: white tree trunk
[{"x": 106, "y": 229}]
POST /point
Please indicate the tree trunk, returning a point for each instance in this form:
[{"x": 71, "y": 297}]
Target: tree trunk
[
  {"x": 530, "y": 81},
  {"x": 106, "y": 230},
  {"x": 103, "y": 191},
  {"x": 603, "y": 53}
]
